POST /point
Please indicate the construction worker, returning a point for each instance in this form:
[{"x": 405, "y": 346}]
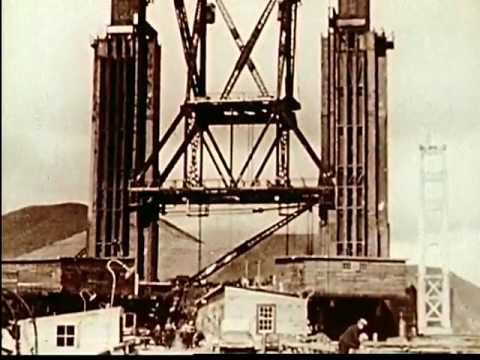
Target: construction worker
[
  {"x": 186, "y": 333},
  {"x": 169, "y": 333},
  {"x": 350, "y": 339},
  {"x": 191, "y": 330},
  {"x": 198, "y": 337},
  {"x": 157, "y": 334}
]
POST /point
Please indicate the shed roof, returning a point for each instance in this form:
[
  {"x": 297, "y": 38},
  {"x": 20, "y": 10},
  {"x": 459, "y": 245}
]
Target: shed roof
[
  {"x": 221, "y": 289},
  {"x": 303, "y": 258}
]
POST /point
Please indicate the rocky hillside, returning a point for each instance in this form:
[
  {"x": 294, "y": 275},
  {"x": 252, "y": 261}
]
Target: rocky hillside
[
  {"x": 34, "y": 227},
  {"x": 50, "y": 231}
]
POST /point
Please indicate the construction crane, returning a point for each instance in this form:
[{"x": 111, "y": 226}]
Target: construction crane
[
  {"x": 181, "y": 288},
  {"x": 249, "y": 244}
]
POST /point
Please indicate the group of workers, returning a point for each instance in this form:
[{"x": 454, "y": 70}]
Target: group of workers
[
  {"x": 351, "y": 339},
  {"x": 191, "y": 337},
  {"x": 165, "y": 336},
  {"x": 188, "y": 334}
]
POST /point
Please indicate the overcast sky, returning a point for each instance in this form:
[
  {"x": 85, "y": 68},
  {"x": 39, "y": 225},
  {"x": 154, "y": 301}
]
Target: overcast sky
[{"x": 433, "y": 83}]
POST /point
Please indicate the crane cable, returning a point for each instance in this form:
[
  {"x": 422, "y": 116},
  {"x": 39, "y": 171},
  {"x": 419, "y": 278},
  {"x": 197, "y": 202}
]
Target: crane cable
[
  {"x": 310, "y": 232},
  {"x": 199, "y": 242},
  {"x": 249, "y": 146}
]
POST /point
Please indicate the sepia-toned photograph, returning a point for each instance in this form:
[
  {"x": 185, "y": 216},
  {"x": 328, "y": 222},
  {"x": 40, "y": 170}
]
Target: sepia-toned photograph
[{"x": 184, "y": 177}]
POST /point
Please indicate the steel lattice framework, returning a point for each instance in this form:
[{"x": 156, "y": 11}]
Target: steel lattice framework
[
  {"x": 434, "y": 297},
  {"x": 201, "y": 112},
  {"x": 130, "y": 186},
  {"x": 148, "y": 193}
]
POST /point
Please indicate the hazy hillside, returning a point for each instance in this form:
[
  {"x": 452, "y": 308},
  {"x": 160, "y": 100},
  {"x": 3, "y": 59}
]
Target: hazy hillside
[
  {"x": 34, "y": 227},
  {"x": 466, "y": 306}
]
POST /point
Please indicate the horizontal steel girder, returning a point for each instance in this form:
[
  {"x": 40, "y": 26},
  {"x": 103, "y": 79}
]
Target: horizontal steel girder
[
  {"x": 231, "y": 112},
  {"x": 272, "y": 195}
]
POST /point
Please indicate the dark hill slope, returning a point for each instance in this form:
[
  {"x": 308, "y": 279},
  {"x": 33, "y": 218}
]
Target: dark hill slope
[
  {"x": 50, "y": 231},
  {"x": 34, "y": 227}
]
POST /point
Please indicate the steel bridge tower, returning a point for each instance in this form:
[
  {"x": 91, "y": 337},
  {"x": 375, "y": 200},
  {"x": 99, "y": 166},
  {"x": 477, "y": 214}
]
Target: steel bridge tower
[
  {"x": 125, "y": 126},
  {"x": 132, "y": 183},
  {"x": 354, "y": 133},
  {"x": 433, "y": 295},
  {"x": 131, "y": 187}
]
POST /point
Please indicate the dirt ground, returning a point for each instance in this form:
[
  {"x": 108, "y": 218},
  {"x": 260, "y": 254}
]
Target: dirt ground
[{"x": 444, "y": 344}]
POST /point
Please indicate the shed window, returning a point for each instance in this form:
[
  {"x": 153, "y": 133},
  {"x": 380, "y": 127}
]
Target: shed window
[
  {"x": 65, "y": 335},
  {"x": 266, "y": 319}
]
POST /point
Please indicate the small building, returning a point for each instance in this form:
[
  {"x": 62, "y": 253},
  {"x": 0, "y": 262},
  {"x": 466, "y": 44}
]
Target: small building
[
  {"x": 343, "y": 276},
  {"x": 65, "y": 273},
  {"x": 55, "y": 285},
  {"x": 256, "y": 311},
  {"x": 343, "y": 289},
  {"x": 83, "y": 333}
]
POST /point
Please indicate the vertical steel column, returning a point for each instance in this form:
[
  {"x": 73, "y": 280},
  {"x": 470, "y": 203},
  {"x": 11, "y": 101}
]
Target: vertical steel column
[
  {"x": 193, "y": 153},
  {"x": 324, "y": 135},
  {"x": 353, "y": 151},
  {"x": 372, "y": 224},
  {"x": 127, "y": 156},
  {"x": 94, "y": 154},
  {"x": 330, "y": 234},
  {"x": 203, "y": 49},
  {"x": 355, "y": 104},
  {"x": 115, "y": 146},
  {"x": 343, "y": 235},
  {"x": 325, "y": 111},
  {"x": 333, "y": 89},
  {"x": 203, "y": 81},
  {"x": 286, "y": 61},
  {"x": 152, "y": 175},
  {"x": 362, "y": 147},
  {"x": 139, "y": 143},
  {"x": 107, "y": 128},
  {"x": 383, "y": 226},
  {"x": 333, "y": 219},
  {"x": 290, "y": 32}
]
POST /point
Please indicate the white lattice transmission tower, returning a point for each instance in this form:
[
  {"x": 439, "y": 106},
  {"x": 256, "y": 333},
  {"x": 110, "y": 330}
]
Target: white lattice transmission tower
[{"x": 433, "y": 296}]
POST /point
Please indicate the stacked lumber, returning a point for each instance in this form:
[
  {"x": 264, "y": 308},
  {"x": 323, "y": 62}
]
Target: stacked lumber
[
  {"x": 425, "y": 345},
  {"x": 312, "y": 344},
  {"x": 308, "y": 348}
]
